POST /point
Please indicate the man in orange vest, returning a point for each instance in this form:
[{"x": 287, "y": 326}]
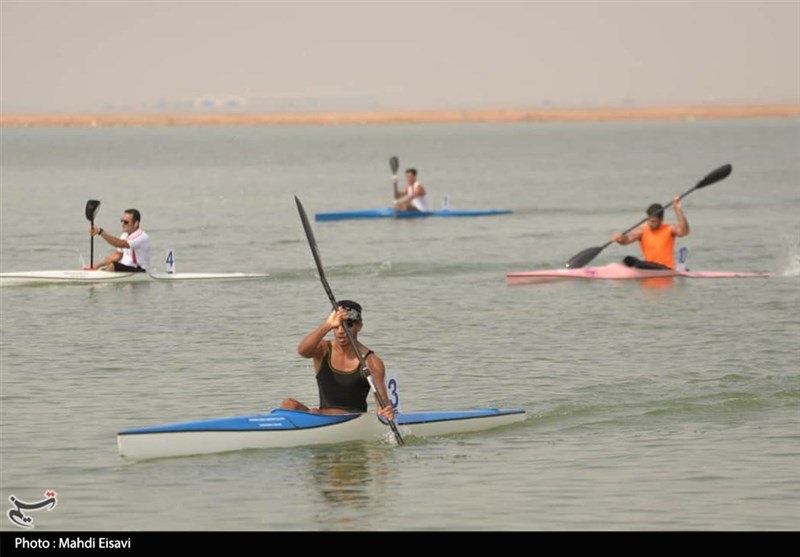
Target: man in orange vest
[{"x": 656, "y": 238}]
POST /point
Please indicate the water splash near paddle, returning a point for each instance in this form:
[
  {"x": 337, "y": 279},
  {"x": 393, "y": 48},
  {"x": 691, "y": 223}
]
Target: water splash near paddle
[{"x": 793, "y": 258}]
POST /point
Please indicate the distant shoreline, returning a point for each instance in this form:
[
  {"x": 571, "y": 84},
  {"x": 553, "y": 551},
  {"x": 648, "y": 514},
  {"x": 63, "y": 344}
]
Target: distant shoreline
[{"x": 402, "y": 117}]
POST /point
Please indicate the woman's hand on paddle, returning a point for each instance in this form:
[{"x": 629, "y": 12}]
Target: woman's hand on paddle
[
  {"x": 336, "y": 317},
  {"x": 387, "y": 412}
]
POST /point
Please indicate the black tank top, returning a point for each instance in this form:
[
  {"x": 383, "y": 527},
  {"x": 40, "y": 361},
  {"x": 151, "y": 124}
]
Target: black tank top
[{"x": 346, "y": 390}]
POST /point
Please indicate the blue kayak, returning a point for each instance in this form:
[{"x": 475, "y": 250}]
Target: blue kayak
[
  {"x": 291, "y": 428},
  {"x": 392, "y": 213}
]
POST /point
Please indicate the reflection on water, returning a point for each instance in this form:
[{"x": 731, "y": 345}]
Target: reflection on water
[
  {"x": 124, "y": 291},
  {"x": 659, "y": 283},
  {"x": 342, "y": 474},
  {"x": 349, "y": 477}
]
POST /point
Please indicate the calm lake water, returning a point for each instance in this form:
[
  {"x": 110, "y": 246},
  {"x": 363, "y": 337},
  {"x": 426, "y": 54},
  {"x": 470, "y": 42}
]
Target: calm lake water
[{"x": 669, "y": 406}]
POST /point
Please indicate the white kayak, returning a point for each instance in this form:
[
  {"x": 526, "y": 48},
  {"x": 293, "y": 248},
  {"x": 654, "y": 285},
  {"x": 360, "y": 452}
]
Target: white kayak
[
  {"x": 80, "y": 276},
  {"x": 291, "y": 428},
  {"x": 618, "y": 271}
]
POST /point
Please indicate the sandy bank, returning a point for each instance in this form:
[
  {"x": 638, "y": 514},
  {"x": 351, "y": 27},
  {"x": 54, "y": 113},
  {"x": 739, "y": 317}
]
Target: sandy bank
[{"x": 404, "y": 117}]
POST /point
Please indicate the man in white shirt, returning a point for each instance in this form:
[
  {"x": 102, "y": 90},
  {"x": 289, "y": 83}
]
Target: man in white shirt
[
  {"x": 133, "y": 246},
  {"x": 412, "y": 197}
]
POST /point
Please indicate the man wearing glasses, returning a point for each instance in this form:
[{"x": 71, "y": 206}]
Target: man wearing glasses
[
  {"x": 133, "y": 246},
  {"x": 343, "y": 389}
]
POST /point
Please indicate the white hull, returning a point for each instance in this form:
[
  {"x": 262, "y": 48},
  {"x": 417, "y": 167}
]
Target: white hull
[
  {"x": 270, "y": 431},
  {"x": 186, "y": 443},
  {"x": 77, "y": 277}
]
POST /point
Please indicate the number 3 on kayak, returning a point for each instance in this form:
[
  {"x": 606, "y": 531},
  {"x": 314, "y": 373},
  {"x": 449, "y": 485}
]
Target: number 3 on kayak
[{"x": 393, "y": 389}]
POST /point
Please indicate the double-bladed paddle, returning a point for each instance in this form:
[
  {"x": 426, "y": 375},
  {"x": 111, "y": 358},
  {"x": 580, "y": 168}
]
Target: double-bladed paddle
[
  {"x": 91, "y": 210},
  {"x": 312, "y": 243},
  {"x": 582, "y": 258}
]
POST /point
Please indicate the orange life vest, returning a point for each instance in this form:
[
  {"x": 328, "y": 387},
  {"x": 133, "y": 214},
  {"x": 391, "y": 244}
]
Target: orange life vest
[{"x": 658, "y": 245}]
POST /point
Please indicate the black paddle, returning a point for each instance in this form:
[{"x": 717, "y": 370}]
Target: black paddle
[
  {"x": 394, "y": 164},
  {"x": 91, "y": 210},
  {"x": 582, "y": 258},
  {"x": 312, "y": 243}
]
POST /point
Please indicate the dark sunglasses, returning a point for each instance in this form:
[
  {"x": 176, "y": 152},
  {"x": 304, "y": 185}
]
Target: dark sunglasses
[
  {"x": 350, "y": 322},
  {"x": 123, "y": 221}
]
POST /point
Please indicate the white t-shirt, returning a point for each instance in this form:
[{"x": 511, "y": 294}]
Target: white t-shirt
[
  {"x": 138, "y": 255},
  {"x": 421, "y": 203}
]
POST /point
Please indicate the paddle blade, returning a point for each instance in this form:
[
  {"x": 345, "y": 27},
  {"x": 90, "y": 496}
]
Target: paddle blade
[
  {"x": 312, "y": 243},
  {"x": 582, "y": 258},
  {"x": 91, "y": 209},
  {"x": 394, "y": 164},
  {"x": 715, "y": 176}
]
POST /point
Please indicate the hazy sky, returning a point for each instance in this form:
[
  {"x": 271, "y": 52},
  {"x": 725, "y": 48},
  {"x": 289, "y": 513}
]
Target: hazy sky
[{"x": 146, "y": 55}]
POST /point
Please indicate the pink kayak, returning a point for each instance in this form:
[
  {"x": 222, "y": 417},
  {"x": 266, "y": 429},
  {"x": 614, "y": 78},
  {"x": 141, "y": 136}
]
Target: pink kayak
[{"x": 616, "y": 271}]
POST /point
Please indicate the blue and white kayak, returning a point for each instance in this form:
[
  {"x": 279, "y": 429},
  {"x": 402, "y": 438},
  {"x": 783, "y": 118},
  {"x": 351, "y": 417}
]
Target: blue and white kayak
[
  {"x": 291, "y": 428},
  {"x": 392, "y": 213}
]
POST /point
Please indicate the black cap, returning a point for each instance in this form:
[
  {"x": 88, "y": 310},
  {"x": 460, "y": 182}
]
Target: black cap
[{"x": 353, "y": 309}]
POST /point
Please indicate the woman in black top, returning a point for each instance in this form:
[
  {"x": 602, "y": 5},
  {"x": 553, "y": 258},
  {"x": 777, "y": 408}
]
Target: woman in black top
[{"x": 343, "y": 389}]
